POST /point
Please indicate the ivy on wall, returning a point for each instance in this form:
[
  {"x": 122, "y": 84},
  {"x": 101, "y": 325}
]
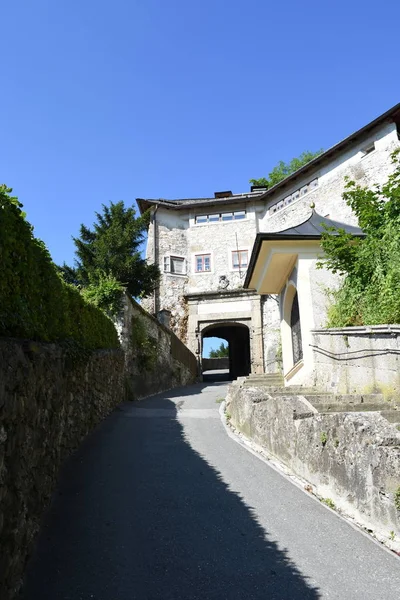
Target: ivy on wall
[
  {"x": 369, "y": 293},
  {"x": 34, "y": 301}
]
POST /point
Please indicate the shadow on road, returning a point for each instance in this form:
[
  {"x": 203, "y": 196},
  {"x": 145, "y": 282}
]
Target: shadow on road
[{"x": 140, "y": 515}]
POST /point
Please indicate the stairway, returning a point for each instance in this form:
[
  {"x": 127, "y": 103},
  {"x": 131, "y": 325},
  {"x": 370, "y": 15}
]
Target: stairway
[{"x": 327, "y": 402}]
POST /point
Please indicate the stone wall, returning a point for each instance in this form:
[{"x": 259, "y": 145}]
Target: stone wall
[
  {"x": 357, "y": 359},
  {"x": 155, "y": 358},
  {"x": 50, "y": 399},
  {"x": 212, "y": 364},
  {"x": 352, "y": 459}
]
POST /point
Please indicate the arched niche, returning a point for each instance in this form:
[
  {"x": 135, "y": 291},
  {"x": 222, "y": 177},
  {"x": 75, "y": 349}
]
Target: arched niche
[{"x": 292, "y": 347}]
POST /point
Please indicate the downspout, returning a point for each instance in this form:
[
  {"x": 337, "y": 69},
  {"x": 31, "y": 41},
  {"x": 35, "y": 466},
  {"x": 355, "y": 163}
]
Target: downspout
[{"x": 155, "y": 255}]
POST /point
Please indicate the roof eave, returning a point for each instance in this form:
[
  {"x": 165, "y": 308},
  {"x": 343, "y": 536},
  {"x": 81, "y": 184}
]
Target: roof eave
[
  {"x": 390, "y": 114},
  {"x": 278, "y": 237}
]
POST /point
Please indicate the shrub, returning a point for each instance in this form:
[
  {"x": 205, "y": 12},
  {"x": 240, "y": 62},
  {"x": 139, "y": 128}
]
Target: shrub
[
  {"x": 34, "y": 302},
  {"x": 369, "y": 293}
]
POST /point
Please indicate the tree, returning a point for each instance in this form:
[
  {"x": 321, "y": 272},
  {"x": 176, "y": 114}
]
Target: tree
[
  {"x": 111, "y": 249},
  {"x": 283, "y": 170},
  {"x": 220, "y": 352},
  {"x": 370, "y": 266}
]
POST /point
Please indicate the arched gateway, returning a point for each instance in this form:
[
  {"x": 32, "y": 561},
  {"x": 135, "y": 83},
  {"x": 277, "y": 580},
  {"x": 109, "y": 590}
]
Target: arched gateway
[{"x": 238, "y": 337}]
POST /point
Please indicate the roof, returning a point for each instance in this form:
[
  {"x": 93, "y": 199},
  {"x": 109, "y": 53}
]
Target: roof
[
  {"x": 310, "y": 229},
  {"x": 145, "y": 203},
  {"x": 393, "y": 114},
  {"x": 313, "y": 227}
]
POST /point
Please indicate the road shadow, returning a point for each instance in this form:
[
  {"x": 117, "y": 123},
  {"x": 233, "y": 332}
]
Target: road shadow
[{"x": 139, "y": 515}]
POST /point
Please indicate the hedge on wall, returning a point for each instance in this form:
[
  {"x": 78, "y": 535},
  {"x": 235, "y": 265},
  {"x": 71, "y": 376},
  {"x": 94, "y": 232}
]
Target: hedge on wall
[{"x": 34, "y": 302}]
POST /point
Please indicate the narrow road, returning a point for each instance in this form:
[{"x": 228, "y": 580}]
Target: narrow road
[{"x": 159, "y": 503}]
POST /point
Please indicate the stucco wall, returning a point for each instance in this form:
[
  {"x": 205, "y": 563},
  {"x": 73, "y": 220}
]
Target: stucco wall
[
  {"x": 353, "y": 459},
  {"x": 362, "y": 359},
  {"x": 327, "y": 196}
]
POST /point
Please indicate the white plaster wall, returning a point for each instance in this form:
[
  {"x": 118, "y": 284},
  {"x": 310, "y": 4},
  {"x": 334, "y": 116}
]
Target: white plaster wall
[{"x": 327, "y": 197}]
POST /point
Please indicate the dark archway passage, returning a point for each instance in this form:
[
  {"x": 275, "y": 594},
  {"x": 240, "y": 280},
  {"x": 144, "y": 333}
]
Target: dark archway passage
[{"x": 238, "y": 338}]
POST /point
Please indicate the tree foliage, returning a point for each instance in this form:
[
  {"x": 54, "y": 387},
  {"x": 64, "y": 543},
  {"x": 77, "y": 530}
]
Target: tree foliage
[
  {"x": 369, "y": 293},
  {"x": 283, "y": 170},
  {"x": 220, "y": 352},
  {"x": 111, "y": 248}
]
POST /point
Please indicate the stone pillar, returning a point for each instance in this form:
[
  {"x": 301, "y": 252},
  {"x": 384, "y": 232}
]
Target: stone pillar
[{"x": 256, "y": 337}]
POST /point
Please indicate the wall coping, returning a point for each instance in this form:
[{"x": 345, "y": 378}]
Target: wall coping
[{"x": 392, "y": 330}]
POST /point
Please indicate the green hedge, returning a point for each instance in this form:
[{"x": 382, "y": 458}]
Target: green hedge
[{"x": 34, "y": 302}]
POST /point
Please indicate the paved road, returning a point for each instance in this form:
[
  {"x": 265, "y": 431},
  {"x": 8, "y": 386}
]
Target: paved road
[{"x": 159, "y": 504}]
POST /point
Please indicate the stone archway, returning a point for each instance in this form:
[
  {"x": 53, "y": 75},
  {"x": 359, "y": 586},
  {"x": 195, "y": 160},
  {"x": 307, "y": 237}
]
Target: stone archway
[{"x": 238, "y": 337}]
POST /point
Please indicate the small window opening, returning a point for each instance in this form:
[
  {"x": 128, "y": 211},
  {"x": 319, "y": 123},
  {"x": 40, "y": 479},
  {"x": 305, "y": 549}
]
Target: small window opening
[{"x": 368, "y": 149}]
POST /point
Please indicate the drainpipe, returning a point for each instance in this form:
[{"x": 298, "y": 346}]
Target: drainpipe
[{"x": 155, "y": 256}]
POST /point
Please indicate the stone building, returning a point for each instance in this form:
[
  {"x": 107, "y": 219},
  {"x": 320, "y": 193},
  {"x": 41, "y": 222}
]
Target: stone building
[{"x": 203, "y": 248}]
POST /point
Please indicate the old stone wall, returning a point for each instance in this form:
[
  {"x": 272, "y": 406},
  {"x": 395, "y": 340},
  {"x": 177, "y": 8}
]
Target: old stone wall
[
  {"x": 351, "y": 459},
  {"x": 155, "y": 358},
  {"x": 212, "y": 364},
  {"x": 50, "y": 398},
  {"x": 357, "y": 359}
]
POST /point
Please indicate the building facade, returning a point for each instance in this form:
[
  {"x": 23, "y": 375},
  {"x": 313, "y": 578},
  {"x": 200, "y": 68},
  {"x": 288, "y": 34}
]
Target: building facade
[{"x": 203, "y": 248}]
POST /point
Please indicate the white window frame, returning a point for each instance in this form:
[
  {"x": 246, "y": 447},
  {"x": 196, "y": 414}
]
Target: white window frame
[
  {"x": 168, "y": 261},
  {"x": 220, "y": 219}
]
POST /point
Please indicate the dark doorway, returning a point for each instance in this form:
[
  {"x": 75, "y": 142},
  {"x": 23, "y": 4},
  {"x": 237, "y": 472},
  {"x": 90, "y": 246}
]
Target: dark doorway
[
  {"x": 296, "y": 331},
  {"x": 238, "y": 338}
]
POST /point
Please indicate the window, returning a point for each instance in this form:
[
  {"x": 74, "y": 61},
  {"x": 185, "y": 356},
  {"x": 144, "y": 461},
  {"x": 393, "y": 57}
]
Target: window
[
  {"x": 236, "y": 215},
  {"x": 368, "y": 149},
  {"x": 240, "y": 259},
  {"x": 293, "y": 197},
  {"x": 202, "y": 263},
  {"x": 174, "y": 264}
]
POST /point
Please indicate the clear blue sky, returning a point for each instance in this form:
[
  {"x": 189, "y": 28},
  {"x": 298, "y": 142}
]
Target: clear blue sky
[{"x": 147, "y": 98}]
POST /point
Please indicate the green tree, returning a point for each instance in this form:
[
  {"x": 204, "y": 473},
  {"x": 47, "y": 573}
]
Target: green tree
[
  {"x": 283, "y": 170},
  {"x": 220, "y": 352},
  {"x": 111, "y": 249},
  {"x": 370, "y": 266}
]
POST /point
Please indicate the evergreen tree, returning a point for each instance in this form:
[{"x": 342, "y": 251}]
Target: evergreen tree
[{"x": 112, "y": 248}]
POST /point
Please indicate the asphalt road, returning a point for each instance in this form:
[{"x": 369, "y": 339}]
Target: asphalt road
[{"x": 159, "y": 503}]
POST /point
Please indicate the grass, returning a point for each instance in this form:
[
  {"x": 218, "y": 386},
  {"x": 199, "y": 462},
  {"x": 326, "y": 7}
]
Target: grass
[
  {"x": 219, "y": 400},
  {"x": 328, "y": 502}
]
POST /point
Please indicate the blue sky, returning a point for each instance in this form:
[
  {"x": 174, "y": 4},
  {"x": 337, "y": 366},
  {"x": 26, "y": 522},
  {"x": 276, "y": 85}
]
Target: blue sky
[{"x": 146, "y": 98}]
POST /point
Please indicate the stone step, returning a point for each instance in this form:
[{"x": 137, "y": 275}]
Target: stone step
[
  {"x": 362, "y": 407},
  {"x": 345, "y": 398},
  {"x": 393, "y": 416}
]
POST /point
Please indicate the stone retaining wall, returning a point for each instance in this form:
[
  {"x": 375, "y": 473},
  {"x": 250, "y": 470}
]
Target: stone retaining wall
[
  {"x": 353, "y": 459},
  {"x": 214, "y": 364},
  {"x": 357, "y": 359},
  {"x": 158, "y": 363},
  {"x": 50, "y": 399}
]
